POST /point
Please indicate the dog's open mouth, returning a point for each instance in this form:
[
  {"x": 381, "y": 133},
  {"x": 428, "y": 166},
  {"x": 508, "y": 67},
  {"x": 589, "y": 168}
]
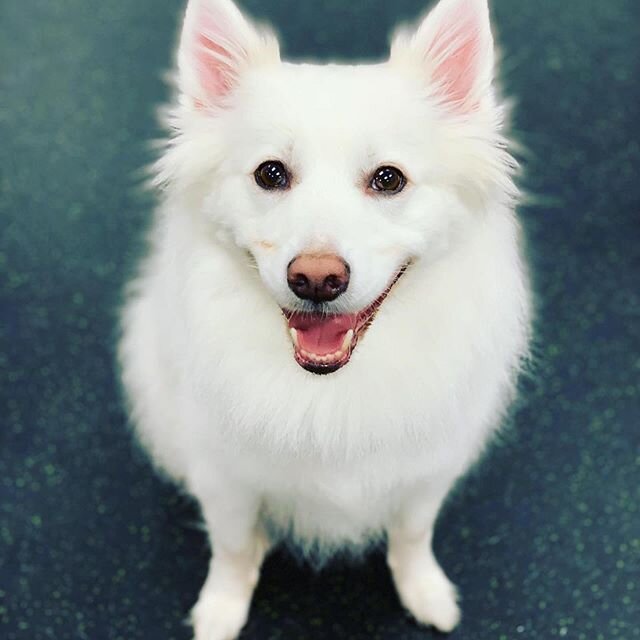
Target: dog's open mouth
[{"x": 323, "y": 343}]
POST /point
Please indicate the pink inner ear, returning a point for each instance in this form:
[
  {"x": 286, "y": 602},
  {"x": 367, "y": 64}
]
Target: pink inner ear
[
  {"x": 212, "y": 77},
  {"x": 215, "y": 56},
  {"x": 456, "y": 51}
]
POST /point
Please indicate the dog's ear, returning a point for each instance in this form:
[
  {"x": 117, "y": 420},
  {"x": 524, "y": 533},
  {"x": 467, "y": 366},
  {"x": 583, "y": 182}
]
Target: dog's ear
[
  {"x": 217, "y": 44},
  {"x": 454, "y": 46}
]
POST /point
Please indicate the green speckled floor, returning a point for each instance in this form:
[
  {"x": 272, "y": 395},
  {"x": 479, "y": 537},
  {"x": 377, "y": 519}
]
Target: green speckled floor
[{"x": 544, "y": 541}]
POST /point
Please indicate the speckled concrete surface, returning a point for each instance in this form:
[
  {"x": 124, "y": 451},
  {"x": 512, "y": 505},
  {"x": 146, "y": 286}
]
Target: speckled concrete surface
[{"x": 543, "y": 540}]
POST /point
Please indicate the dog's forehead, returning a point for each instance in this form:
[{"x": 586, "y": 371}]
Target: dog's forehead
[{"x": 334, "y": 98}]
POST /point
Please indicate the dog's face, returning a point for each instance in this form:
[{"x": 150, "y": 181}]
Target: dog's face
[{"x": 336, "y": 178}]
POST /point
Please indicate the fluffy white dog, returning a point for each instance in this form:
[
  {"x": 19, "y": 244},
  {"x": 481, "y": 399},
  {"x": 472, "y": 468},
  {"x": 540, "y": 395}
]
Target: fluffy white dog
[{"x": 352, "y": 221}]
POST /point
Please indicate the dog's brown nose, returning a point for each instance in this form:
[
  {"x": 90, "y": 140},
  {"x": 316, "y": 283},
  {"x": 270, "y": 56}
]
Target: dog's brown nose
[{"x": 319, "y": 277}]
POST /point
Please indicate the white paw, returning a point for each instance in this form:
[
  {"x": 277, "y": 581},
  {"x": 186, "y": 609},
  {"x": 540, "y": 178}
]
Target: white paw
[
  {"x": 431, "y": 598},
  {"x": 219, "y": 616}
]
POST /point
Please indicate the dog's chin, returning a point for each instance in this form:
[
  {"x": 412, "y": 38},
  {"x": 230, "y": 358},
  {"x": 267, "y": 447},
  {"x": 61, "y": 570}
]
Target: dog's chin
[{"x": 325, "y": 342}]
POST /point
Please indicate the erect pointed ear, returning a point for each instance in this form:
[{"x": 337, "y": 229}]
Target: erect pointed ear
[
  {"x": 217, "y": 44},
  {"x": 455, "y": 48}
]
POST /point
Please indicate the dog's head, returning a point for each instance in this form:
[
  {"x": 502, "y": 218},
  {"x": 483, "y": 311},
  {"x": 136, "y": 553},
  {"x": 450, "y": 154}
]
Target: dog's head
[{"x": 336, "y": 178}]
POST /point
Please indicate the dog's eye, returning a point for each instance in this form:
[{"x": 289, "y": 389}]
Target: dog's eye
[
  {"x": 388, "y": 179},
  {"x": 272, "y": 174}
]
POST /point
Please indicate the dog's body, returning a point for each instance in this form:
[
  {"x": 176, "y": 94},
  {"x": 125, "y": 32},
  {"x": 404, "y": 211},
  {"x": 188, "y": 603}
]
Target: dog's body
[{"x": 270, "y": 161}]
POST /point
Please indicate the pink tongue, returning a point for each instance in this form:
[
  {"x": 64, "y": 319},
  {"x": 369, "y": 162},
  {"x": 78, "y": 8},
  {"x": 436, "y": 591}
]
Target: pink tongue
[{"x": 321, "y": 334}]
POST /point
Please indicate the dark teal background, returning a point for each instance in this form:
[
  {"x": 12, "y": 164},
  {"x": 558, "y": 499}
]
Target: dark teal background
[{"x": 543, "y": 540}]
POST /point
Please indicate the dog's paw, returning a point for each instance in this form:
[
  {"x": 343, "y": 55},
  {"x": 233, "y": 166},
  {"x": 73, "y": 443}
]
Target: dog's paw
[
  {"x": 431, "y": 598},
  {"x": 219, "y": 617}
]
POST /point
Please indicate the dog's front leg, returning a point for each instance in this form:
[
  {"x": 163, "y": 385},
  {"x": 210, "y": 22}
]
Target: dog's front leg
[
  {"x": 422, "y": 586},
  {"x": 238, "y": 546}
]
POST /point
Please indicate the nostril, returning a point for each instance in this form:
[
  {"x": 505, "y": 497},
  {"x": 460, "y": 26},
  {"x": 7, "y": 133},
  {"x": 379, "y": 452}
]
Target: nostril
[
  {"x": 333, "y": 282},
  {"x": 300, "y": 281},
  {"x": 299, "y": 284}
]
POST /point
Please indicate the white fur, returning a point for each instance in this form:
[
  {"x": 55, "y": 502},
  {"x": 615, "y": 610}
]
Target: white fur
[{"x": 216, "y": 396}]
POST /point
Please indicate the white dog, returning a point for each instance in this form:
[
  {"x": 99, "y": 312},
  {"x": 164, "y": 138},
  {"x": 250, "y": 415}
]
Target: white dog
[{"x": 354, "y": 221}]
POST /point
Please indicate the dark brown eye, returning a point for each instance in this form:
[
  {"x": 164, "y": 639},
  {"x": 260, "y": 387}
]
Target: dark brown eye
[
  {"x": 272, "y": 175},
  {"x": 388, "y": 179}
]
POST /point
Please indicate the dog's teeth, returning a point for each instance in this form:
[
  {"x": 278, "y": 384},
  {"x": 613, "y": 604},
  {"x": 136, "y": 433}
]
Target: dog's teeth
[
  {"x": 328, "y": 358},
  {"x": 346, "y": 343}
]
